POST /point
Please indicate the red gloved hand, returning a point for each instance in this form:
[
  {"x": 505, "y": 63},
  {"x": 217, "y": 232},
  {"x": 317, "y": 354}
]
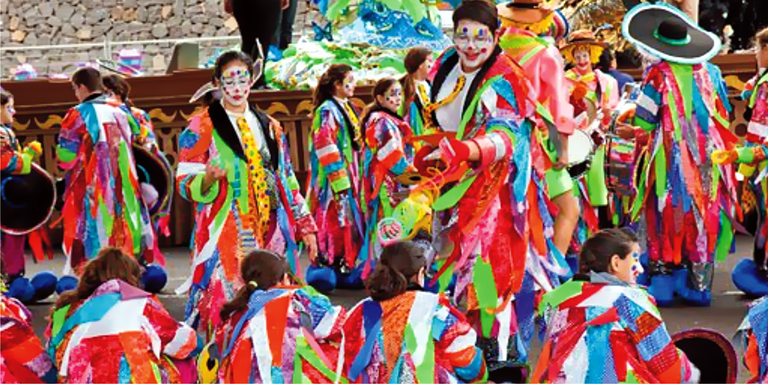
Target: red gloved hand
[
  {"x": 454, "y": 151},
  {"x": 423, "y": 166}
]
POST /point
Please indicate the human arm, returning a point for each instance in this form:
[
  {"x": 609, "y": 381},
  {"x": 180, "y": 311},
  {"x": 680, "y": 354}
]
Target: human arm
[
  {"x": 196, "y": 178},
  {"x": 648, "y": 110},
  {"x": 73, "y": 132},
  {"x": 385, "y": 138},
  {"x": 177, "y": 340},
  {"x": 331, "y": 159}
]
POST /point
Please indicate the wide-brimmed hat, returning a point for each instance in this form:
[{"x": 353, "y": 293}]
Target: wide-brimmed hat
[
  {"x": 583, "y": 38},
  {"x": 525, "y": 12},
  {"x": 26, "y": 201},
  {"x": 666, "y": 32}
]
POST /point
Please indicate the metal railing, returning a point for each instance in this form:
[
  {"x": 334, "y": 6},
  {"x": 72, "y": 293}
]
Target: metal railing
[{"x": 108, "y": 44}]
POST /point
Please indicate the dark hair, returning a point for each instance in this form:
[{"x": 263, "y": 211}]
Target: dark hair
[
  {"x": 228, "y": 57},
  {"x": 413, "y": 60},
  {"x": 117, "y": 85},
  {"x": 399, "y": 263},
  {"x": 604, "y": 63},
  {"x": 111, "y": 263},
  {"x": 89, "y": 77},
  {"x": 761, "y": 38},
  {"x": 261, "y": 269},
  {"x": 597, "y": 251},
  {"x": 379, "y": 89},
  {"x": 481, "y": 11},
  {"x": 326, "y": 85},
  {"x": 5, "y": 97}
]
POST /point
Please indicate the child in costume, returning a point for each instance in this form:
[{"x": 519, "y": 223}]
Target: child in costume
[
  {"x": 110, "y": 331},
  {"x": 402, "y": 334},
  {"x": 603, "y": 327},
  {"x": 750, "y": 274},
  {"x": 494, "y": 223},
  {"x": 385, "y": 163},
  {"x": 272, "y": 332},
  {"x": 594, "y": 95},
  {"x": 235, "y": 167},
  {"x": 685, "y": 204},
  {"x": 22, "y": 357},
  {"x": 102, "y": 201},
  {"x": 416, "y": 89},
  {"x": 334, "y": 190}
]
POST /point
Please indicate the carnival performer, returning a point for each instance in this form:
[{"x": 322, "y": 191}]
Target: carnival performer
[
  {"x": 385, "y": 162},
  {"x": 603, "y": 327},
  {"x": 235, "y": 167},
  {"x": 102, "y": 203},
  {"x": 750, "y": 274},
  {"x": 495, "y": 223},
  {"x": 334, "y": 193},
  {"x": 110, "y": 331},
  {"x": 594, "y": 95},
  {"x": 753, "y": 331},
  {"x": 530, "y": 30},
  {"x": 22, "y": 357},
  {"x": 405, "y": 334},
  {"x": 274, "y": 332},
  {"x": 685, "y": 204},
  {"x": 416, "y": 90}
]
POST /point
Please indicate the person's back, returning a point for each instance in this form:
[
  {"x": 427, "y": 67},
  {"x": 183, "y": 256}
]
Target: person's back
[{"x": 22, "y": 357}]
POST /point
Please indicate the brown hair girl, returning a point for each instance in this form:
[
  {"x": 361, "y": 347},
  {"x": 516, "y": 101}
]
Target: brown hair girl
[
  {"x": 380, "y": 89},
  {"x": 598, "y": 250},
  {"x": 261, "y": 269},
  {"x": 325, "y": 87},
  {"x": 413, "y": 61},
  {"x": 399, "y": 264},
  {"x": 111, "y": 263}
]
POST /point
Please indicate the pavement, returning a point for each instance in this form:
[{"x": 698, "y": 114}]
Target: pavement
[{"x": 724, "y": 315}]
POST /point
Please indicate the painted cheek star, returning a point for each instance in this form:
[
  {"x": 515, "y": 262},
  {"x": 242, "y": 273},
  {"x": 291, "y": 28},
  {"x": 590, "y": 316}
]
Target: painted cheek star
[
  {"x": 236, "y": 85},
  {"x": 637, "y": 268},
  {"x": 349, "y": 86},
  {"x": 393, "y": 98}
]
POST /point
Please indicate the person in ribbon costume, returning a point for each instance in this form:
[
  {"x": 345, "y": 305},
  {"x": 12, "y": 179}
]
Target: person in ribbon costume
[
  {"x": 234, "y": 166},
  {"x": 750, "y": 274},
  {"x": 604, "y": 328},
  {"x": 754, "y": 332},
  {"x": 685, "y": 204},
  {"x": 416, "y": 89},
  {"x": 402, "y": 334},
  {"x": 334, "y": 193},
  {"x": 102, "y": 203},
  {"x": 529, "y": 31},
  {"x": 275, "y": 332},
  {"x": 22, "y": 357},
  {"x": 594, "y": 95},
  {"x": 109, "y": 331},
  {"x": 495, "y": 222}
]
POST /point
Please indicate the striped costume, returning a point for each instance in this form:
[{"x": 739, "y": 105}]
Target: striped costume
[
  {"x": 120, "y": 334},
  {"x": 416, "y": 337},
  {"x": 22, "y": 357},
  {"x": 286, "y": 335},
  {"x": 103, "y": 205}
]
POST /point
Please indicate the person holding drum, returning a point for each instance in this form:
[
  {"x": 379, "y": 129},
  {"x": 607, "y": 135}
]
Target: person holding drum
[
  {"x": 492, "y": 219},
  {"x": 686, "y": 203},
  {"x": 593, "y": 95}
]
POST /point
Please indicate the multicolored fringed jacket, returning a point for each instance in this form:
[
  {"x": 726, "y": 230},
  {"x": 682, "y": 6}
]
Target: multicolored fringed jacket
[
  {"x": 754, "y": 331},
  {"x": 228, "y": 216},
  {"x": 685, "y": 204},
  {"x": 334, "y": 193},
  {"x": 497, "y": 220},
  {"x": 12, "y": 160},
  {"x": 413, "y": 110},
  {"x": 22, "y": 357},
  {"x": 606, "y": 332},
  {"x": 383, "y": 160},
  {"x": 285, "y": 335},
  {"x": 120, "y": 334},
  {"x": 102, "y": 203},
  {"x": 416, "y": 337}
]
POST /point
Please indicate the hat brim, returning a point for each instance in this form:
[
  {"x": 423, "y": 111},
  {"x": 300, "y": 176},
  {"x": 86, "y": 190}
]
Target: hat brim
[
  {"x": 510, "y": 12},
  {"x": 34, "y": 199},
  {"x": 584, "y": 43},
  {"x": 156, "y": 171},
  {"x": 642, "y": 21}
]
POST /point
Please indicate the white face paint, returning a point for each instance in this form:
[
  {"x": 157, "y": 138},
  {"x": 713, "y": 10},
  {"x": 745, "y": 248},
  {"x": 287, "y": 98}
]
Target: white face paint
[
  {"x": 393, "y": 98},
  {"x": 581, "y": 59},
  {"x": 474, "y": 44},
  {"x": 348, "y": 85},
  {"x": 235, "y": 84}
]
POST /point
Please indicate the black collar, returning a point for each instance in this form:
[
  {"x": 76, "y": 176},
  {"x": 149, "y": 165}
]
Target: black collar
[
  {"x": 348, "y": 121},
  {"x": 93, "y": 96},
  {"x": 223, "y": 126},
  {"x": 379, "y": 108}
]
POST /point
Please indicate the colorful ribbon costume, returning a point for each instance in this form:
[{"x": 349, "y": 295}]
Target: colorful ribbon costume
[
  {"x": 22, "y": 357},
  {"x": 754, "y": 332}
]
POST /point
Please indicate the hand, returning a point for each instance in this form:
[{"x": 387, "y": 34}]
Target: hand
[
  {"x": 424, "y": 165},
  {"x": 285, "y": 4},
  {"x": 725, "y": 157},
  {"x": 455, "y": 151},
  {"x": 310, "y": 240},
  {"x": 625, "y": 131},
  {"x": 212, "y": 173}
]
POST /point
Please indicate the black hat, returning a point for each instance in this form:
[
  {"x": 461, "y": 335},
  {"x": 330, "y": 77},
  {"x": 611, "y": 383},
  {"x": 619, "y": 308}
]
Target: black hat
[
  {"x": 664, "y": 31},
  {"x": 154, "y": 169},
  {"x": 26, "y": 201}
]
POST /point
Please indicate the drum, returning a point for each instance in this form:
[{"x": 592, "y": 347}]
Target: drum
[
  {"x": 581, "y": 148},
  {"x": 26, "y": 201},
  {"x": 154, "y": 169},
  {"x": 620, "y": 165},
  {"x": 711, "y": 352}
]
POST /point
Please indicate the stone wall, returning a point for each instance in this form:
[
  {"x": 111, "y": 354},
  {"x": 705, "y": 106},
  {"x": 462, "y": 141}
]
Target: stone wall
[{"x": 55, "y": 22}]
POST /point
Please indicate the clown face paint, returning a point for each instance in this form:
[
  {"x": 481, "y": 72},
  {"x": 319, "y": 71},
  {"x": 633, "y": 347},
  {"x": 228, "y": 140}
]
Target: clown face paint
[
  {"x": 474, "y": 44},
  {"x": 235, "y": 83},
  {"x": 348, "y": 86},
  {"x": 6, "y": 115},
  {"x": 582, "y": 60},
  {"x": 637, "y": 268},
  {"x": 628, "y": 268},
  {"x": 393, "y": 98}
]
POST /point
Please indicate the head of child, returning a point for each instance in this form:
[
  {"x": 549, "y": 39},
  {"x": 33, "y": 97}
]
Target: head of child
[
  {"x": 234, "y": 75},
  {"x": 388, "y": 94},
  {"x": 110, "y": 264},
  {"x": 400, "y": 264},
  {"x": 614, "y": 251},
  {"x": 338, "y": 81},
  {"x": 761, "y": 48},
  {"x": 7, "y": 112},
  {"x": 260, "y": 270}
]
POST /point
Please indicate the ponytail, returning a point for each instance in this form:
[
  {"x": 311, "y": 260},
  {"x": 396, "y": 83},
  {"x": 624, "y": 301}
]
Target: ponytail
[
  {"x": 260, "y": 269},
  {"x": 239, "y": 303},
  {"x": 399, "y": 263},
  {"x": 326, "y": 86}
]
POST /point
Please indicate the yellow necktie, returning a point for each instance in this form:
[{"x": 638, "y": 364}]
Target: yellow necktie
[
  {"x": 429, "y": 125},
  {"x": 259, "y": 206},
  {"x": 353, "y": 119}
]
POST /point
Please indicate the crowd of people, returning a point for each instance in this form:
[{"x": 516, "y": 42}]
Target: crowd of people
[{"x": 461, "y": 199}]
